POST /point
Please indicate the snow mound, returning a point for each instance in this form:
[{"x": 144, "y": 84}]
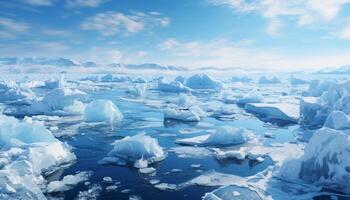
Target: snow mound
[
  {"x": 223, "y": 136},
  {"x": 265, "y": 80},
  {"x": 203, "y": 81},
  {"x": 275, "y": 111},
  {"x": 102, "y": 110},
  {"x": 325, "y": 162},
  {"x": 174, "y": 86},
  {"x": 137, "y": 149},
  {"x": 337, "y": 120}
]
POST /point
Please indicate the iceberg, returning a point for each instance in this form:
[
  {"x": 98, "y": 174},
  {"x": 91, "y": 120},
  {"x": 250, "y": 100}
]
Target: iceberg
[
  {"x": 275, "y": 111},
  {"x": 174, "y": 86},
  {"x": 265, "y": 80},
  {"x": 136, "y": 149},
  {"x": 337, "y": 120},
  {"x": 203, "y": 81},
  {"x": 12, "y": 92},
  {"x": 325, "y": 161},
  {"x": 102, "y": 110}
]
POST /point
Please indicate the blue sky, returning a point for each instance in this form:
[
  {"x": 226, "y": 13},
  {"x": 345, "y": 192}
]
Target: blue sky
[{"x": 278, "y": 34}]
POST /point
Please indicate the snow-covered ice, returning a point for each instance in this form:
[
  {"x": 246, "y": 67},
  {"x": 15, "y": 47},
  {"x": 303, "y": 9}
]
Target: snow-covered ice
[
  {"x": 203, "y": 81},
  {"x": 275, "y": 111},
  {"x": 102, "y": 110}
]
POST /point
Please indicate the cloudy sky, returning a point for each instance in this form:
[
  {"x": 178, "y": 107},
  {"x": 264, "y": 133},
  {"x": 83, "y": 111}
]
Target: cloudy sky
[{"x": 277, "y": 34}]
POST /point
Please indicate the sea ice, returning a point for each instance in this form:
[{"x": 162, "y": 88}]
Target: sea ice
[
  {"x": 174, "y": 86},
  {"x": 68, "y": 182},
  {"x": 337, "y": 120},
  {"x": 265, "y": 80}
]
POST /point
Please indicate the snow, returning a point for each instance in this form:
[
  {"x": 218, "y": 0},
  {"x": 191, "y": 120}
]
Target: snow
[
  {"x": 203, "y": 81},
  {"x": 68, "y": 182},
  {"x": 174, "y": 86},
  {"x": 325, "y": 161},
  {"x": 185, "y": 114},
  {"x": 265, "y": 80},
  {"x": 275, "y": 111},
  {"x": 102, "y": 110},
  {"x": 134, "y": 148},
  {"x": 337, "y": 120}
]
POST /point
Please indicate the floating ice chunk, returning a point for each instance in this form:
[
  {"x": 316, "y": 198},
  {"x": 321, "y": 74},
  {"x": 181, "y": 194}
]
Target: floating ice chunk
[
  {"x": 265, "y": 80},
  {"x": 147, "y": 170},
  {"x": 195, "y": 166},
  {"x": 125, "y": 191},
  {"x": 192, "y": 152},
  {"x": 269, "y": 135},
  {"x": 337, "y": 120},
  {"x": 141, "y": 163},
  {"x": 223, "y": 136},
  {"x": 111, "y": 188},
  {"x": 102, "y": 110},
  {"x": 154, "y": 181},
  {"x": 138, "y": 147},
  {"x": 325, "y": 161},
  {"x": 165, "y": 186},
  {"x": 107, "y": 179},
  {"x": 275, "y": 111},
  {"x": 91, "y": 194},
  {"x": 54, "y": 83},
  {"x": 68, "y": 182},
  {"x": 203, "y": 81},
  {"x": 174, "y": 86},
  {"x": 138, "y": 90},
  {"x": 249, "y": 98},
  {"x": 186, "y": 115},
  {"x": 135, "y": 197},
  {"x": 313, "y": 111},
  {"x": 226, "y": 135}
]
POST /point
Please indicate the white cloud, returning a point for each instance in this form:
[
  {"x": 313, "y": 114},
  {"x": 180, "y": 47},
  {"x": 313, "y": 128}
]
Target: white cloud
[
  {"x": 111, "y": 23},
  {"x": 85, "y": 3},
  {"x": 39, "y": 2},
  {"x": 225, "y": 54},
  {"x": 345, "y": 33},
  {"x": 10, "y": 29},
  {"x": 306, "y": 12}
]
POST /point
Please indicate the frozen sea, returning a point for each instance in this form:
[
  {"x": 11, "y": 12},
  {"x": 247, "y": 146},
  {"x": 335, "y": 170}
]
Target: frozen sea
[{"x": 91, "y": 142}]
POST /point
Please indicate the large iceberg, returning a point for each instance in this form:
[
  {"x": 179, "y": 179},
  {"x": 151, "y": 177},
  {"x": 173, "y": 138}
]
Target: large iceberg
[
  {"x": 102, "y": 110},
  {"x": 29, "y": 151},
  {"x": 139, "y": 149},
  {"x": 325, "y": 162},
  {"x": 203, "y": 81},
  {"x": 275, "y": 111},
  {"x": 337, "y": 120}
]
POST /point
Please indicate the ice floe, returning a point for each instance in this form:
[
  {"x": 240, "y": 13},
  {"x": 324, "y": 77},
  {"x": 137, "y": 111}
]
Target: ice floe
[
  {"x": 203, "y": 81},
  {"x": 275, "y": 111},
  {"x": 68, "y": 182},
  {"x": 265, "y": 80},
  {"x": 174, "y": 86}
]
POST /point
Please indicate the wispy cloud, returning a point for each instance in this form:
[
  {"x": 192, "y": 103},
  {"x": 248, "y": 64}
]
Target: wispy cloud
[
  {"x": 39, "y": 2},
  {"x": 11, "y": 29},
  {"x": 111, "y": 23},
  {"x": 85, "y": 3},
  {"x": 306, "y": 12}
]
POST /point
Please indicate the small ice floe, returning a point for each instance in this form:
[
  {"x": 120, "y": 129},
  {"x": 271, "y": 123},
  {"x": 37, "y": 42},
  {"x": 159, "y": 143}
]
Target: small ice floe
[
  {"x": 186, "y": 114},
  {"x": 165, "y": 186},
  {"x": 265, "y": 80},
  {"x": 174, "y": 86},
  {"x": 107, "y": 179},
  {"x": 191, "y": 152},
  {"x": 325, "y": 161},
  {"x": 68, "y": 182},
  {"x": 195, "y": 166},
  {"x": 223, "y": 136},
  {"x": 275, "y": 111},
  {"x": 236, "y": 194},
  {"x": 101, "y": 111},
  {"x": 92, "y": 193},
  {"x": 125, "y": 191},
  {"x": 135, "y": 197},
  {"x": 139, "y": 150},
  {"x": 12, "y": 92},
  {"x": 337, "y": 120},
  {"x": 154, "y": 181},
  {"x": 147, "y": 170},
  {"x": 249, "y": 98},
  {"x": 111, "y": 188},
  {"x": 176, "y": 170},
  {"x": 203, "y": 81},
  {"x": 269, "y": 135}
]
